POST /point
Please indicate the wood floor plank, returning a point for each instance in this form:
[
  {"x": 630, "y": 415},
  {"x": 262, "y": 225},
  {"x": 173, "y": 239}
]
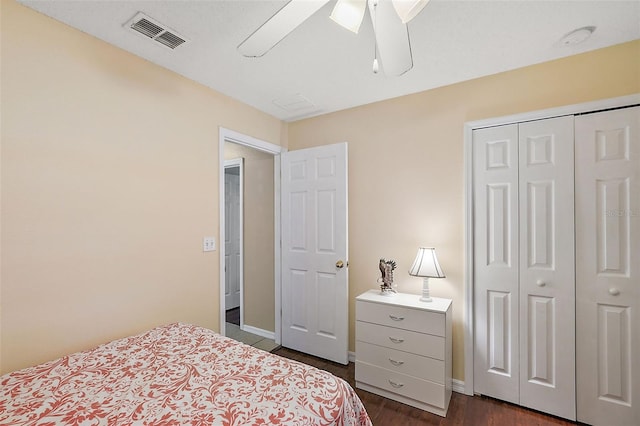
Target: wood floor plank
[{"x": 464, "y": 410}]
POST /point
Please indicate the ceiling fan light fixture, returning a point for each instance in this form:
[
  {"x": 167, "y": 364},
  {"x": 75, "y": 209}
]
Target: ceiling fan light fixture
[
  {"x": 408, "y": 9},
  {"x": 349, "y": 14}
]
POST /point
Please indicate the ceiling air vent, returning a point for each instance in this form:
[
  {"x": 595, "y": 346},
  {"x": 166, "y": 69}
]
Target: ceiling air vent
[{"x": 154, "y": 30}]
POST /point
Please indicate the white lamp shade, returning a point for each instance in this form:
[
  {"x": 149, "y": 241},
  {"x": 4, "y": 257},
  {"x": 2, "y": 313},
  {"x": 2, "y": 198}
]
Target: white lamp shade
[
  {"x": 426, "y": 264},
  {"x": 349, "y": 13},
  {"x": 408, "y": 9}
]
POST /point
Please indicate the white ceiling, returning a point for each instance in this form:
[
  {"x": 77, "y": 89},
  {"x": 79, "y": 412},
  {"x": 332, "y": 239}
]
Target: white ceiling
[{"x": 451, "y": 41}]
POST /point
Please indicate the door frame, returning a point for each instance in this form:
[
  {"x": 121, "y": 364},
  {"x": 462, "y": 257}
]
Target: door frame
[
  {"x": 469, "y": 127},
  {"x": 227, "y": 135},
  {"x": 239, "y": 164}
]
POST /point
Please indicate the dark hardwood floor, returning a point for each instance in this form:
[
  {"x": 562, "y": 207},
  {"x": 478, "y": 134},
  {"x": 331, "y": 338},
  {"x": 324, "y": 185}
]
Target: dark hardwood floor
[{"x": 463, "y": 409}]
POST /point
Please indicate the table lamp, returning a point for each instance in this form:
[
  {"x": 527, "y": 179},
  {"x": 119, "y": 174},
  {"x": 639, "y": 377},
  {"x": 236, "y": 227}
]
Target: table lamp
[{"x": 426, "y": 265}]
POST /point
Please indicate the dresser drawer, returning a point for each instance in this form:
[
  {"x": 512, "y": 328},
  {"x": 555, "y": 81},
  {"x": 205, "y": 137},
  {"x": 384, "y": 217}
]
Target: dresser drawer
[
  {"x": 402, "y": 340},
  {"x": 421, "y": 367},
  {"x": 401, "y": 317},
  {"x": 401, "y": 384}
]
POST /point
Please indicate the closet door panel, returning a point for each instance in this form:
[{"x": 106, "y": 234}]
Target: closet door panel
[
  {"x": 547, "y": 279},
  {"x": 495, "y": 162},
  {"x": 608, "y": 266}
]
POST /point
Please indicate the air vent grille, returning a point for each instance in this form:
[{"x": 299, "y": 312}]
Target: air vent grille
[
  {"x": 170, "y": 40},
  {"x": 156, "y": 31},
  {"x": 147, "y": 28}
]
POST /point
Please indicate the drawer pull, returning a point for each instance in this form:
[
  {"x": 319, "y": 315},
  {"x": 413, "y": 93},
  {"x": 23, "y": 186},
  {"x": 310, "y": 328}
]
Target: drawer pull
[
  {"x": 396, "y": 340},
  {"x": 396, "y": 385},
  {"x": 395, "y": 318},
  {"x": 396, "y": 363}
]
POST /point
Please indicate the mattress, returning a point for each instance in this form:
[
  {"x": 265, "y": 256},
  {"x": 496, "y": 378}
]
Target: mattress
[{"x": 178, "y": 374}]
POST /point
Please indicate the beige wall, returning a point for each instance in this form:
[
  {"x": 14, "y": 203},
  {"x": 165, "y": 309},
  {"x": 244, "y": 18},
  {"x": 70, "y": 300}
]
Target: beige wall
[
  {"x": 259, "y": 241},
  {"x": 406, "y": 163},
  {"x": 109, "y": 182},
  {"x": 109, "y": 169}
]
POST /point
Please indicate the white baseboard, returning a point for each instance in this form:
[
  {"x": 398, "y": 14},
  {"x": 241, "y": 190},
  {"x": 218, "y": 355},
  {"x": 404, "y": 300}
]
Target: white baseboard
[
  {"x": 352, "y": 356},
  {"x": 258, "y": 331},
  {"x": 457, "y": 386}
]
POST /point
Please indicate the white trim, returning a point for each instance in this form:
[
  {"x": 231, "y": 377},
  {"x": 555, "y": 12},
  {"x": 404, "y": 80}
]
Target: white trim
[
  {"x": 458, "y": 386},
  {"x": 351, "y": 356},
  {"x": 556, "y": 112},
  {"x": 277, "y": 249},
  {"x": 469, "y": 127},
  {"x": 226, "y": 135},
  {"x": 239, "y": 138},
  {"x": 468, "y": 263},
  {"x": 239, "y": 163},
  {"x": 259, "y": 332}
]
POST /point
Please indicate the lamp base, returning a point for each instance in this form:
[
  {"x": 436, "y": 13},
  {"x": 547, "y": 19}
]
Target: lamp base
[{"x": 425, "y": 291}]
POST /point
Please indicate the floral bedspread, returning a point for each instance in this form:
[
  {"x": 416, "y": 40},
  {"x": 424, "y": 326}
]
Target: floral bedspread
[{"x": 177, "y": 375}]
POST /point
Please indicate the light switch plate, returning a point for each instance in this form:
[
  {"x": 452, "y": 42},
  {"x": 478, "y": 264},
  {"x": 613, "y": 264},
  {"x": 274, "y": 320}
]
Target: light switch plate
[{"x": 209, "y": 244}]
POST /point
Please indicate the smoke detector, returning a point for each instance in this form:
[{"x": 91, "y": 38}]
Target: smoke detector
[
  {"x": 153, "y": 30},
  {"x": 577, "y": 36}
]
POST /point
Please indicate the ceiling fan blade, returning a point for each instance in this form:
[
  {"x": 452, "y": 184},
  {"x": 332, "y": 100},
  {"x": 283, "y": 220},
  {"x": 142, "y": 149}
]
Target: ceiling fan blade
[
  {"x": 279, "y": 26},
  {"x": 392, "y": 38}
]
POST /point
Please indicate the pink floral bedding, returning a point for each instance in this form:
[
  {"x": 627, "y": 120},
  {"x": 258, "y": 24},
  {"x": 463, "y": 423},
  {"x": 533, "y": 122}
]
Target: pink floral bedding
[{"x": 177, "y": 375}]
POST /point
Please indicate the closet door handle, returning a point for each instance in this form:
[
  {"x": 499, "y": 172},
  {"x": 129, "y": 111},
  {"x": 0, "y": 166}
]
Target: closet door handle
[
  {"x": 395, "y": 318},
  {"x": 614, "y": 291},
  {"x": 396, "y": 340},
  {"x": 540, "y": 283}
]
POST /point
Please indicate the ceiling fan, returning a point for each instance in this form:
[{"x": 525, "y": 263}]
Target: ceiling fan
[{"x": 389, "y": 18}]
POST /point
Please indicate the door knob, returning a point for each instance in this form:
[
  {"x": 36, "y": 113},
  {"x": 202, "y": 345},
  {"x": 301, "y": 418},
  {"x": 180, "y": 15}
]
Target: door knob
[
  {"x": 614, "y": 291},
  {"x": 339, "y": 264},
  {"x": 540, "y": 283}
]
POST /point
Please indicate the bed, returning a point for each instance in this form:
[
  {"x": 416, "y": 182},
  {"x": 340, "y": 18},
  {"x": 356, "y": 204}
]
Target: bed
[{"x": 178, "y": 374}]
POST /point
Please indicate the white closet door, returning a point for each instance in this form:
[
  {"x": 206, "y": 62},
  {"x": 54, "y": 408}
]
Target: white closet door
[
  {"x": 608, "y": 267},
  {"x": 547, "y": 281},
  {"x": 495, "y": 164}
]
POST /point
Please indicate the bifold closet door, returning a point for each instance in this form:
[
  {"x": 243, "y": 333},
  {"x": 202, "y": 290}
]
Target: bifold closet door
[
  {"x": 524, "y": 264},
  {"x": 495, "y": 246},
  {"x": 608, "y": 267},
  {"x": 547, "y": 266}
]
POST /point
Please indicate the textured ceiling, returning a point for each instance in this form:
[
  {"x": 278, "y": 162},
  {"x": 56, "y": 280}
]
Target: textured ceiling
[{"x": 321, "y": 67}]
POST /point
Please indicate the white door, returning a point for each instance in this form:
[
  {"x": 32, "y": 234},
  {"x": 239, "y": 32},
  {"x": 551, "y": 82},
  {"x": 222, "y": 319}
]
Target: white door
[
  {"x": 524, "y": 264},
  {"x": 547, "y": 262},
  {"x": 314, "y": 251},
  {"x": 608, "y": 267},
  {"x": 233, "y": 222},
  {"x": 496, "y": 292}
]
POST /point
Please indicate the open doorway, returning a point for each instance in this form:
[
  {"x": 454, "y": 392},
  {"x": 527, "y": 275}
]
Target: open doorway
[{"x": 249, "y": 255}]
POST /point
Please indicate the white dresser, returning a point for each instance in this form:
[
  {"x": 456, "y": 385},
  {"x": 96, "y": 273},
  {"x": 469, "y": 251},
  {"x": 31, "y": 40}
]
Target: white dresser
[{"x": 403, "y": 349}]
